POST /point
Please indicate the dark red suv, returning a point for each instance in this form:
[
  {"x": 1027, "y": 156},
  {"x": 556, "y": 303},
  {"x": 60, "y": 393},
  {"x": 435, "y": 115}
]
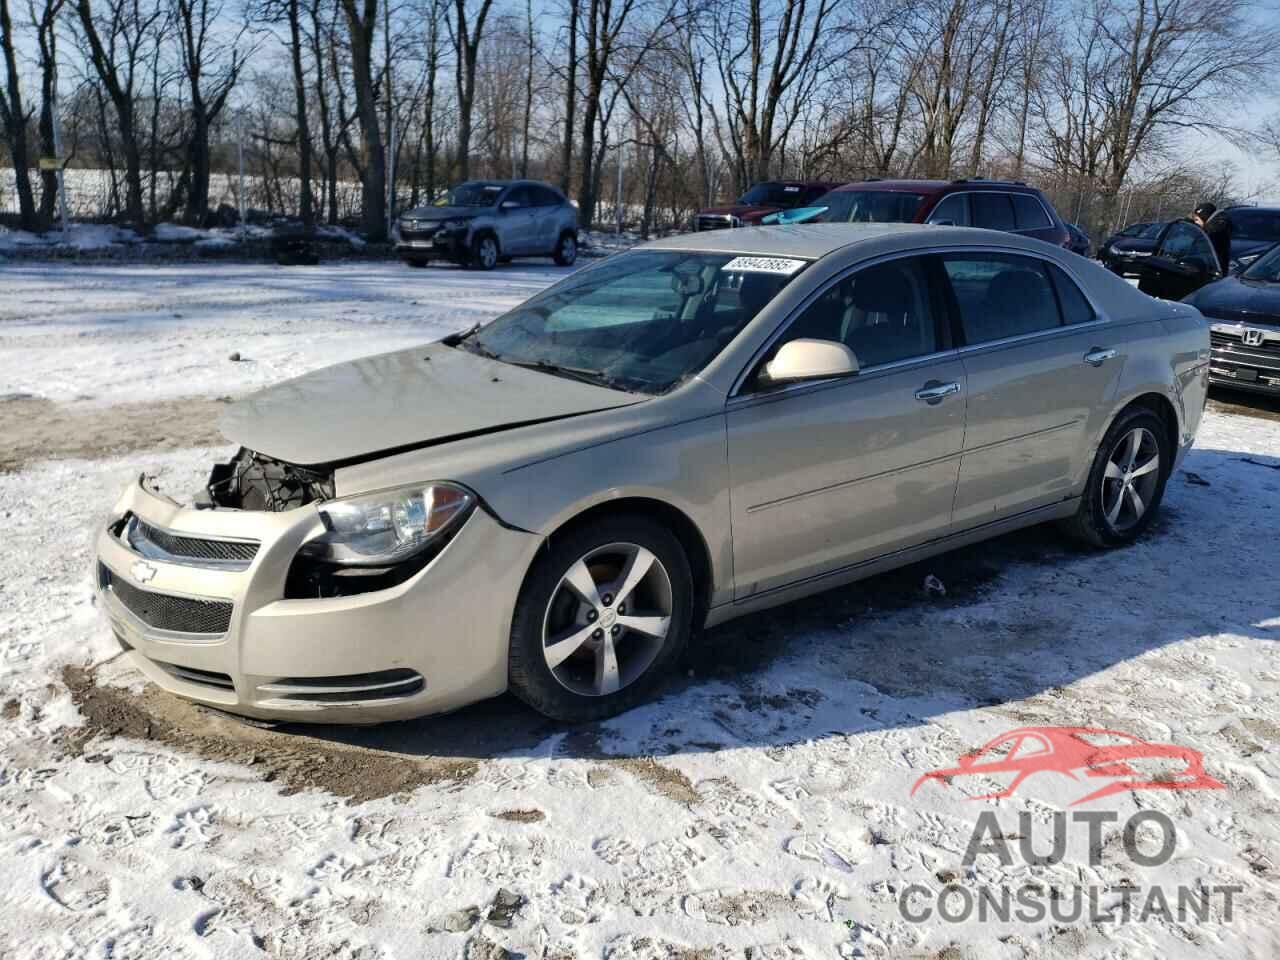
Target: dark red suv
[
  {"x": 994, "y": 204},
  {"x": 760, "y": 201}
]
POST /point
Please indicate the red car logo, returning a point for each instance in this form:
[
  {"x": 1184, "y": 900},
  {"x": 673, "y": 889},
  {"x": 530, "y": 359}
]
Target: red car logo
[{"x": 1076, "y": 752}]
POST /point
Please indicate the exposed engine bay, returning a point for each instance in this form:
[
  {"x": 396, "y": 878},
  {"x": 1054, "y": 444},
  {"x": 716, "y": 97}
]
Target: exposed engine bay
[{"x": 251, "y": 481}]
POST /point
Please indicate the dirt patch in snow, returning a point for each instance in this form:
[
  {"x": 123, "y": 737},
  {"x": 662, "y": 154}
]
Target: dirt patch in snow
[
  {"x": 35, "y": 428},
  {"x": 295, "y": 761},
  {"x": 519, "y": 816},
  {"x": 10, "y": 710},
  {"x": 670, "y": 783}
]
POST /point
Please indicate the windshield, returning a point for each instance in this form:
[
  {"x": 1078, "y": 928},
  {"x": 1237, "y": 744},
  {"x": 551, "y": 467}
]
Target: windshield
[
  {"x": 641, "y": 321},
  {"x": 1266, "y": 268},
  {"x": 1255, "y": 225},
  {"x": 869, "y": 206},
  {"x": 474, "y": 194},
  {"x": 773, "y": 195}
]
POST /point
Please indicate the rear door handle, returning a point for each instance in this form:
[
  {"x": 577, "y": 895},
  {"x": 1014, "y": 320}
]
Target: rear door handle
[
  {"x": 935, "y": 391},
  {"x": 1097, "y": 356}
]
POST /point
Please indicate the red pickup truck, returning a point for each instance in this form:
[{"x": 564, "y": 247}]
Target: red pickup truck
[{"x": 760, "y": 201}]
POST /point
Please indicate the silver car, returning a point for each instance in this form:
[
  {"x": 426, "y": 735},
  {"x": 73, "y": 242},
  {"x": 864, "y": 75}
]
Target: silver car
[
  {"x": 483, "y": 222},
  {"x": 557, "y": 501}
]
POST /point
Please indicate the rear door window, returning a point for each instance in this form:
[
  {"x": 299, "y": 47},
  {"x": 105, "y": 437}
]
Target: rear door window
[
  {"x": 954, "y": 208},
  {"x": 545, "y": 197},
  {"x": 1029, "y": 212},
  {"x": 1001, "y": 295},
  {"x": 992, "y": 211}
]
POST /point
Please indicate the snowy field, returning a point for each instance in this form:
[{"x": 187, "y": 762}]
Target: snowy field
[{"x": 762, "y": 808}]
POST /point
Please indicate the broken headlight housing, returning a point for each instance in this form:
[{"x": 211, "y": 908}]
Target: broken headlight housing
[
  {"x": 383, "y": 529},
  {"x": 378, "y": 540}
]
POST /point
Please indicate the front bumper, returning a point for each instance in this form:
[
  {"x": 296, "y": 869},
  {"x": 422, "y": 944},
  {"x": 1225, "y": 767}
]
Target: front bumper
[
  {"x": 432, "y": 242},
  {"x": 436, "y": 642},
  {"x": 1241, "y": 365}
]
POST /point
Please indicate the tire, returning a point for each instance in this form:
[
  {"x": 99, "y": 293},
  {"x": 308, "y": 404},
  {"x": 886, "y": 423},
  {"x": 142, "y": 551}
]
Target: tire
[
  {"x": 574, "y": 683},
  {"x": 417, "y": 263},
  {"x": 1118, "y": 474},
  {"x": 566, "y": 252},
  {"x": 484, "y": 252}
]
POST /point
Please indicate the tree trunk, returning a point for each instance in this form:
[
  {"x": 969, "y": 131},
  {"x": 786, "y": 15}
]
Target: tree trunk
[
  {"x": 14, "y": 119},
  {"x": 373, "y": 174},
  {"x": 305, "y": 207},
  {"x": 570, "y": 100}
]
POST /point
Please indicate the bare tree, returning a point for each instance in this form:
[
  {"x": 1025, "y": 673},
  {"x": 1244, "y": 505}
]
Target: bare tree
[
  {"x": 362, "y": 21},
  {"x": 769, "y": 59},
  {"x": 15, "y": 117},
  {"x": 466, "y": 30}
]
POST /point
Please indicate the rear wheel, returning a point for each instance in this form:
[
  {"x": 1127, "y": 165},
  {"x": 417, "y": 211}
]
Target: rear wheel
[
  {"x": 1126, "y": 482},
  {"x": 566, "y": 253},
  {"x": 602, "y": 616}
]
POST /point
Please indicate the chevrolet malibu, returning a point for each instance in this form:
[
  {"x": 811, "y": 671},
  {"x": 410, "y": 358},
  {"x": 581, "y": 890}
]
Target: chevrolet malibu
[{"x": 557, "y": 501}]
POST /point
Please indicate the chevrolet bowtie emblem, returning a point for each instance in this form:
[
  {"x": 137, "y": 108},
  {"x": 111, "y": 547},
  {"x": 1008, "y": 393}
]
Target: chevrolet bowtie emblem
[{"x": 142, "y": 571}]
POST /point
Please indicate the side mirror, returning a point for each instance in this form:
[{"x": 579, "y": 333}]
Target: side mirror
[
  {"x": 809, "y": 360},
  {"x": 943, "y": 223}
]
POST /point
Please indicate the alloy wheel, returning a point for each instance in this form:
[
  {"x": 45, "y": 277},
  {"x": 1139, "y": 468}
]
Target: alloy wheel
[
  {"x": 488, "y": 253},
  {"x": 1130, "y": 479},
  {"x": 607, "y": 620},
  {"x": 568, "y": 250}
]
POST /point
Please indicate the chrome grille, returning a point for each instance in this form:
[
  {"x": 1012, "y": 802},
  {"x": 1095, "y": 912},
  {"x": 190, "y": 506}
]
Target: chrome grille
[
  {"x": 164, "y": 611},
  {"x": 1232, "y": 341},
  {"x": 162, "y": 545}
]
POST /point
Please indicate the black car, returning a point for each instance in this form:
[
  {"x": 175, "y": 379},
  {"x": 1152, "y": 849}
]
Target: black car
[
  {"x": 1253, "y": 230},
  {"x": 1244, "y": 321},
  {"x": 1079, "y": 242},
  {"x": 1119, "y": 252}
]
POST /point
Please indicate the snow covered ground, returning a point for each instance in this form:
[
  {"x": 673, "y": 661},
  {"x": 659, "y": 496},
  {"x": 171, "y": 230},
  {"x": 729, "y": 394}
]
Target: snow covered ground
[{"x": 762, "y": 808}]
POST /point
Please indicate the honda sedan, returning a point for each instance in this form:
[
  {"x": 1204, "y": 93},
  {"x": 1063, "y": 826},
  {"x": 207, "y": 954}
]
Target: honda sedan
[{"x": 556, "y": 502}]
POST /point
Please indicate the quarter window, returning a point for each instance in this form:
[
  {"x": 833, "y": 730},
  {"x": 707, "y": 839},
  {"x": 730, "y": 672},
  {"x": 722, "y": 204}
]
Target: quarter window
[
  {"x": 883, "y": 313},
  {"x": 992, "y": 211},
  {"x": 544, "y": 197},
  {"x": 1001, "y": 295},
  {"x": 954, "y": 208},
  {"x": 1075, "y": 308},
  {"x": 1029, "y": 212}
]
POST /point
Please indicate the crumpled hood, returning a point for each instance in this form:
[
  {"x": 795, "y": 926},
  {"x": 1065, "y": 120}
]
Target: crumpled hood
[
  {"x": 433, "y": 214},
  {"x": 402, "y": 400}
]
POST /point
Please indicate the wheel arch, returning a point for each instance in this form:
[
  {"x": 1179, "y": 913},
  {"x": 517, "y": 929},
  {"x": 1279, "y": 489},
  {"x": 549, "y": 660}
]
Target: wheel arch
[
  {"x": 1158, "y": 404},
  {"x": 691, "y": 538}
]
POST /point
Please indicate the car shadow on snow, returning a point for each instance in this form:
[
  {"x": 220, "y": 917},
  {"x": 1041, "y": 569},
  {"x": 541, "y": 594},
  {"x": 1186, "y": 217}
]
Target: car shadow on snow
[{"x": 1023, "y": 615}]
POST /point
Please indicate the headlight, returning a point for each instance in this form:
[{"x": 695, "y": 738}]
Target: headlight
[{"x": 381, "y": 529}]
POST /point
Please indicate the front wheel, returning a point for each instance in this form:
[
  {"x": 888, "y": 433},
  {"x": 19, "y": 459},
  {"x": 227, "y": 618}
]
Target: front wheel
[
  {"x": 484, "y": 253},
  {"x": 567, "y": 250},
  {"x": 603, "y": 615},
  {"x": 1126, "y": 482}
]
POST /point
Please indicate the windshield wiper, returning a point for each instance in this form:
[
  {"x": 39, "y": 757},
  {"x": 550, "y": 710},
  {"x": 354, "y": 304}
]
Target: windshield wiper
[{"x": 581, "y": 374}]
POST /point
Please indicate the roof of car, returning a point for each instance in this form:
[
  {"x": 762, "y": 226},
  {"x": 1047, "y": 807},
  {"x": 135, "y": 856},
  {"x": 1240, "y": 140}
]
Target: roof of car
[
  {"x": 812, "y": 241},
  {"x": 936, "y": 186}
]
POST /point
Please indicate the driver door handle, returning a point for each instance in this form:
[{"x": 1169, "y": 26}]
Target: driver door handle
[
  {"x": 1096, "y": 357},
  {"x": 935, "y": 392}
]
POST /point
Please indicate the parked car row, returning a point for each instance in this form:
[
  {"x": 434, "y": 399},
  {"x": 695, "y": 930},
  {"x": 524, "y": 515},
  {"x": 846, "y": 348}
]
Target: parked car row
[{"x": 483, "y": 223}]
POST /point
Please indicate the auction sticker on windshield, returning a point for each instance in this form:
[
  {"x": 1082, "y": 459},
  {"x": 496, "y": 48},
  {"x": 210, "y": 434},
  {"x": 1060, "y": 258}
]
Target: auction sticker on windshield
[{"x": 779, "y": 265}]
